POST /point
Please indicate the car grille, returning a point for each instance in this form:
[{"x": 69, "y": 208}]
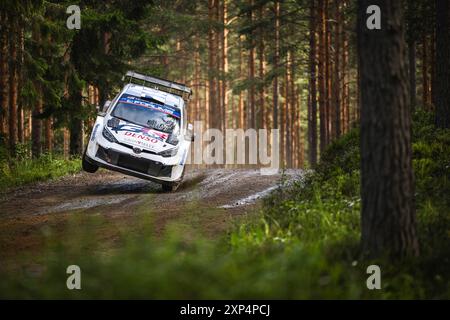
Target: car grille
[
  {"x": 123, "y": 160},
  {"x": 131, "y": 148}
]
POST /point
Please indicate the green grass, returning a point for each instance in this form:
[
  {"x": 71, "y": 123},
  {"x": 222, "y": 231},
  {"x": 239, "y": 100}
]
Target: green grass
[
  {"x": 14, "y": 173},
  {"x": 303, "y": 244}
]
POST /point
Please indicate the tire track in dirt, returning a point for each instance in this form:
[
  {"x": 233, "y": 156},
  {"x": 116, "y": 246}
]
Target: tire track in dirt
[{"x": 206, "y": 202}]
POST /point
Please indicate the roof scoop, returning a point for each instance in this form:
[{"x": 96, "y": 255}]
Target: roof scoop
[{"x": 171, "y": 87}]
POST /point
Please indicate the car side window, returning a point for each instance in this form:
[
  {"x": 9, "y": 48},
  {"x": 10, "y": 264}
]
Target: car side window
[{"x": 113, "y": 103}]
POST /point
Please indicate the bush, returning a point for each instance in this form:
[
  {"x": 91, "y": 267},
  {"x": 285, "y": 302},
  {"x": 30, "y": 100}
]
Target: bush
[
  {"x": 323, "y": 211},
  {"x": 17, "y": 172}
]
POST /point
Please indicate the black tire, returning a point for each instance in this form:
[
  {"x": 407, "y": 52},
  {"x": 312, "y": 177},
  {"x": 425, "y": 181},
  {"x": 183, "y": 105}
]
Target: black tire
[
  {"x": 87, "y": 166},
  {"x": 172, "y": 188},
  {"x": 169, "y": 188}
]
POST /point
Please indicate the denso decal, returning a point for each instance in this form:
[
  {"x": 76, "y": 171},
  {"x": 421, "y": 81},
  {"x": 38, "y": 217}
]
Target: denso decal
[
  {"x": 140, "y": 132},
  {"x": 141, "y": 136}
]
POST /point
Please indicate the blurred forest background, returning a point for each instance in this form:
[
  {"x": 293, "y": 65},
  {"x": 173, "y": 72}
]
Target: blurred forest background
[
  {"x": 368, "y": 110},
  {"x": 291, "y": 65}
]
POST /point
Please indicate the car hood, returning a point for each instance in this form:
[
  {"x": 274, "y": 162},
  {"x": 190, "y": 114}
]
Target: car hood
[{"x": 138, "y": 136}]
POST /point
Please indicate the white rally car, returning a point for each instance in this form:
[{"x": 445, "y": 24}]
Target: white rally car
[{"x": 143, "y": 132}]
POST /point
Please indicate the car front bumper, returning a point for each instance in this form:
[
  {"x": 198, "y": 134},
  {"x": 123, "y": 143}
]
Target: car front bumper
[{"x": 137, "y": 166}]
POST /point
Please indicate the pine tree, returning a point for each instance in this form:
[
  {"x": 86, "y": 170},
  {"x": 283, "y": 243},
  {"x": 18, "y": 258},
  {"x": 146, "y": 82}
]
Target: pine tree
[
  {"x": 442, "y": 63},
  {"x": 387, "y": 187},
  {"x": 312, "y": 103}
]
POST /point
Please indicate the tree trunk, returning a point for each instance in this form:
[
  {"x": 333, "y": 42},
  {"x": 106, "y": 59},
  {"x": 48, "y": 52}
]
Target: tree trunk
[
  {"x": 357, "y": 110},
  {"x": 312, "y": 98},
  {"x": 294, "y": 113},
  {"x": 412, "y": 73},
  {"x": 262, "y": 94},
  {"x": 103, "y": 94},
  {"x": 48, "y": 135},
  {"x": 27, "y": 117},
  {"x": 433, "y": 70},
  {"x": 329, "y": 111},
  {"x": 282, "y": 119},
  {"x": 66, "y": 143},
  {"x": 13, "y": 86},
  {"x": 336, "y": 72},
  {"x": 4, "y": 72},
  {"x": 425, "y": 79},
  {"x": 287, "y": 112},
  {"x": 76, "y": 130},
  {"x": 241, "y": 122},
  {"x": 275, "y": 63},
  {"x": 387, "y": 186},
  {"x": 322, "y": 79},
  {"x": 197, "y": 101},
  {"x": 218, "y": 67},
  {"x": 224, "y": 63},
  {"x": 206, "y": 113},
  {"x": 251, "y": 76},
  {"x": 345, "y": 74},
  {"x": 76, "y": 126},
  {"x": 212, "y": 63},
  {"x": 20, "y": 111},
  {"x": 442, "y": 117},
  {"x": 36, "y": 123}
]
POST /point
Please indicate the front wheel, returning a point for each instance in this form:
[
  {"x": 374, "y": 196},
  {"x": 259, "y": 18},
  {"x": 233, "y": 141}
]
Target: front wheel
[
  {"x": 174, "y": 187},
  {"x": 87, "y": 166},
  {"x": 170, "y": 188}
]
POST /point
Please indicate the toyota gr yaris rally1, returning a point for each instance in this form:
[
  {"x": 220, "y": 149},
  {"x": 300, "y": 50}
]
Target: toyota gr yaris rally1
[{"x": 143, "y": 133}]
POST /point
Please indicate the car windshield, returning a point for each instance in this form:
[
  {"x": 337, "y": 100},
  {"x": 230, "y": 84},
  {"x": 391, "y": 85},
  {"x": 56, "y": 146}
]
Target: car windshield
[{"x": 148, "y": 114}]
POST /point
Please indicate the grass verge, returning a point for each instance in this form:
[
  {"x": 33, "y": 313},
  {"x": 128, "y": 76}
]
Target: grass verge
[
  {"x": 304, "y": 244},
  {"x": 18, "y": 172}
]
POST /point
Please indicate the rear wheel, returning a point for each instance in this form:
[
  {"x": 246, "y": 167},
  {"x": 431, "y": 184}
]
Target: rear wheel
[{"x": 87, "y": 166}]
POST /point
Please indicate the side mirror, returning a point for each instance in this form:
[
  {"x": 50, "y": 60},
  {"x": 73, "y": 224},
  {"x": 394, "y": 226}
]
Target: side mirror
[
  {"x": 106, "y": 106},
  {"x": 102, "y": 111},
  {"x": 190, "y": 135}
]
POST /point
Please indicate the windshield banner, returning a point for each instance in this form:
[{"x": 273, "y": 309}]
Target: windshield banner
[{"x": 175, "y": 112}]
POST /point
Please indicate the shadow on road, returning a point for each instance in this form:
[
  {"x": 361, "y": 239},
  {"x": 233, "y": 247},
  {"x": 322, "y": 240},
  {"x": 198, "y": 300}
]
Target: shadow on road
[
  {"x": 126, "y": 186},
  {"x": 139, "y": 186}
]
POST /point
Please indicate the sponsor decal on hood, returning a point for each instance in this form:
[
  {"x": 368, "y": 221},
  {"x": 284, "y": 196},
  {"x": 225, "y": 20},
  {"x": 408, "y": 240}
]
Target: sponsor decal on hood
[
  {"x": 132, "y": 128},
  {"x": 140, "y": 136}
]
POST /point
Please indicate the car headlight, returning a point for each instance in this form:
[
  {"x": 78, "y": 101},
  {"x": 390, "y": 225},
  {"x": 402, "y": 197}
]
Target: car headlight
[
  {"x": 172, "y": 139},
  {"x": 108, "y": 135},
  {"x": 168, "y": 153}
]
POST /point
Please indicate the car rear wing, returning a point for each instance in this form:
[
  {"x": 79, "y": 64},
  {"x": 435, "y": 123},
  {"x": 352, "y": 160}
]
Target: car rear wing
[{"x": 172, "y": 87}]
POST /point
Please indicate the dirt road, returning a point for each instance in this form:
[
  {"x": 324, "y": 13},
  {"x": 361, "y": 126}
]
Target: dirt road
[{"x": 207, "y": 203}]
